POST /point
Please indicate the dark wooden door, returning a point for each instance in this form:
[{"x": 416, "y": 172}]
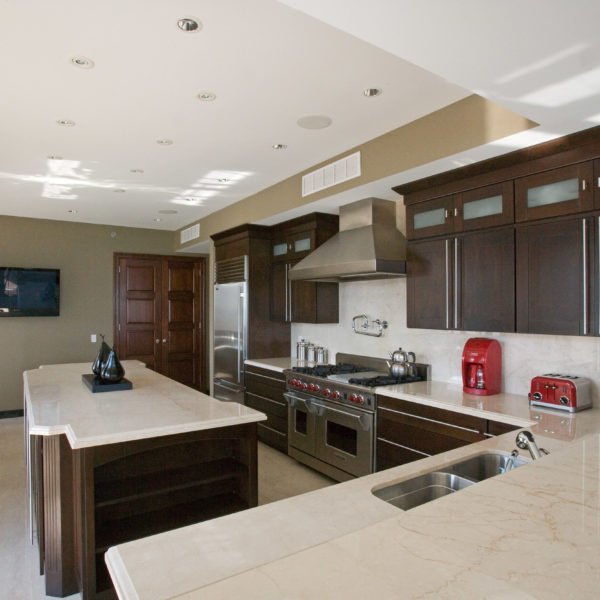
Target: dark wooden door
[
  {"x": 553, "y": 277},
  {"x": 430, "y": 284},
  {"x": 138, "y": 307},
  {"x": 182, "y": 300},
  {"x": 279, "y": 300},
  {"x": 159, "y": 316},
  {"x": 486, "y": 281},
  {"x": 485, "y": 207}
]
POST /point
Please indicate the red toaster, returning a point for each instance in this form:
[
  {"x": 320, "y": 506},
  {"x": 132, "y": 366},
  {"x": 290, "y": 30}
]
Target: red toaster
[{"x": 567, "y": 392}]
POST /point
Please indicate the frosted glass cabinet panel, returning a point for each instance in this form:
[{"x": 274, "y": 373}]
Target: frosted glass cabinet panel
[
  {"x": 302, "y": 245},
  {"x": 482, "y": 208},
  {"x": 564, "y": 191},
  {"x": 429, "y": 218}
]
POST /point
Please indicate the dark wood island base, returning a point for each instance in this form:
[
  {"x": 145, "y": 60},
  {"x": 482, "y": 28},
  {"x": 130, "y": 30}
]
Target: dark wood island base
[{"x": 86, "y": 500}]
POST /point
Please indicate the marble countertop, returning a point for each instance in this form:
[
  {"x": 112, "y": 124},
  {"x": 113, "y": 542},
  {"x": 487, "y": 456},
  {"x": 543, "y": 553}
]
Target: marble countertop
[
  {"x": 531, "y": 533},
  {"x": 57, "y": 401}
]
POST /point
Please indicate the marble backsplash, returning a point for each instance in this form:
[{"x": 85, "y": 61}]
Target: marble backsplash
[{"x": 523, "y": 355}]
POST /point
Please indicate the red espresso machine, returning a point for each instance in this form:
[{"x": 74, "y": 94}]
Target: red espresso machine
[{"x": 482, "y": 366}]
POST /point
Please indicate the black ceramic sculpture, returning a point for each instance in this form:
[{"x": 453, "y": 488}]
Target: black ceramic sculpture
[
  {"x": 112, "y": 370},
  {"x": 101, "y": 358}
]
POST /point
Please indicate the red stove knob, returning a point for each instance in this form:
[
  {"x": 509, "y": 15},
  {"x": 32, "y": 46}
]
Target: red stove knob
[
  {"x": 352, "y": 397},
  {"x": 335, "y": 395},
  {"x": 316, "y": 387},
  {"x": 326, "y": 392},
  {"x": 304, "y": 386},
  {"x": 359, "y": 399},
  {"x": 311, "y": 386}
]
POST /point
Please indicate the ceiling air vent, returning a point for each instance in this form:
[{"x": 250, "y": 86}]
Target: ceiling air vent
[
  {"x": 341, "y": 170},
  {"x": 191, "y": 233}
]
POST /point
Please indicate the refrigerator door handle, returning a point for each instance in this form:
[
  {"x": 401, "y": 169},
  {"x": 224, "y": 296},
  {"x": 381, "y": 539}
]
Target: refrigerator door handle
[
  {"x": 228, "y": 384},
  {"x": 241, "y": 340}
]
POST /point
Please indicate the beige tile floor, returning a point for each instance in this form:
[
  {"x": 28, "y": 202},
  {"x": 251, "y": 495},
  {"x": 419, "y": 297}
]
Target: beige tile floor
[{"x": 279, "y": 476}]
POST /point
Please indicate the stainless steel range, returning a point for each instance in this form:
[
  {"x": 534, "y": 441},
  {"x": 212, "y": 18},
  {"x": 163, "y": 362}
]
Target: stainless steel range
[{"x": 331, "y": 413}]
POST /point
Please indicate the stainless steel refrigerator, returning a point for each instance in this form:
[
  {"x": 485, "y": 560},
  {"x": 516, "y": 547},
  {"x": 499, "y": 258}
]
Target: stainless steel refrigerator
[{"x": 230, "y": 328}]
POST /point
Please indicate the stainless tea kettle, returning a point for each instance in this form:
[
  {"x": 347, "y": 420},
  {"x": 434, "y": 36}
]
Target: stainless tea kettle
[
  {"x": 400, "y": 356},
  {"x": 401, "y": 366}
]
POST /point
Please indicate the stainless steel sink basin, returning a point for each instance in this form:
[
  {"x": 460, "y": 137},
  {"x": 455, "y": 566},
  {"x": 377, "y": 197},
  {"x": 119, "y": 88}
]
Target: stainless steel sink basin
[
  {"x": 443, "y": 481},
  {"x": 484, "y": 466},
  {"x": 424, "y": 488}
]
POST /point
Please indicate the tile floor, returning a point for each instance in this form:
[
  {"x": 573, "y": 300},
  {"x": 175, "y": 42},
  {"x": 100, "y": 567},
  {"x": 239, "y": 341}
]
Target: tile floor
[{"x": 279, "y": 476}]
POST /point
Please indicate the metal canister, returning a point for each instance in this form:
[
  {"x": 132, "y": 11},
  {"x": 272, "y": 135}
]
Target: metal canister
[
  {"x": 301, "y": 351},
  {"x": 310, "y": 353},
  {"x": 321, "y": 354}
]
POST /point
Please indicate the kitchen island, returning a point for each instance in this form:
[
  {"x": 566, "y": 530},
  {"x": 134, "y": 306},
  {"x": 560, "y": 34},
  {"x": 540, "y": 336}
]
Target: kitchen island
[
  {"x": 106, "y": 468},
  {"x": 530, "y": 533}
]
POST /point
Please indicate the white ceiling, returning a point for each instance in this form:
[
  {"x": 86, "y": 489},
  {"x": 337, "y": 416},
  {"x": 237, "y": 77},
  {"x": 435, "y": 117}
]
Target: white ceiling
[{"x": 268, "y": 65}]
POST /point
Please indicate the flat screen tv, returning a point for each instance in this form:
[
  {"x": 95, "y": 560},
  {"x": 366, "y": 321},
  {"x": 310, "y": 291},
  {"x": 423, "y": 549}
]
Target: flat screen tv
[{"x": 29, "y": 292}]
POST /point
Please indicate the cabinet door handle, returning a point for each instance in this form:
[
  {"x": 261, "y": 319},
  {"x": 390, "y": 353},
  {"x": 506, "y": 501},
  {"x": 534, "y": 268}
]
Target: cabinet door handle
[
  {"x": 287, "y": 299},
  {"x": 446, "y": 214},
  {"x": 456, "y": 211},
  {"x": 455, "y": 283},
  {"x": 584, "y": 264},
  {"x": 583, "y": 185},
  {"x": 447, "y": 284}
]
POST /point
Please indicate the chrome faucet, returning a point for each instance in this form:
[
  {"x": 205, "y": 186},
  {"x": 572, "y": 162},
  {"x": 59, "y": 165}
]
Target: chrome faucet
[
  {"x": 510, "y": 462},
  {"x": 525, "y": 441}
]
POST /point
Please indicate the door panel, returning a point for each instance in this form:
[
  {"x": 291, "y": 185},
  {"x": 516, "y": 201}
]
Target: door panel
[
  {"x": 159, "y": 315},
  {"x": 138, "y": 303}
]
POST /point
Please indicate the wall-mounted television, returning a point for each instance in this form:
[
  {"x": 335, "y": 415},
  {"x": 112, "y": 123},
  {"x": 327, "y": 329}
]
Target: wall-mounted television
[{"x": 29, "y": 292}]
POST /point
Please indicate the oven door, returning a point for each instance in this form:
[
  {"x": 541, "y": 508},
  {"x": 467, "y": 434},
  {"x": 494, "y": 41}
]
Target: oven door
[
  {"x": 344, "y": 437},
  {"x": 301, "y": 423}
]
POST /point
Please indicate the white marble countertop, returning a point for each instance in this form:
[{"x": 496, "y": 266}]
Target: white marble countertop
[
  {"x": 531, "y": 533},
  {"x": 57, "y": 401}
]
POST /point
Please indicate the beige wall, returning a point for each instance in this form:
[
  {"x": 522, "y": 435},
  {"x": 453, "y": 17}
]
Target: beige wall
[
  {"x": 84, "y": 255},
  {"x": 465, "y": 124}
]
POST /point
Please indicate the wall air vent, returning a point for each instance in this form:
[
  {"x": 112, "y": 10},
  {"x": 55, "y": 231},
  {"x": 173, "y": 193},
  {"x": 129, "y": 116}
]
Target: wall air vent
[
  {"x": 332, "y": 174},
  {"x": 191, "y": 233}
]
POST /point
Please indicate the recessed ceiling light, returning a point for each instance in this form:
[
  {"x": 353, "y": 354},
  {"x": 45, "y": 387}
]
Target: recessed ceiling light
[
  {"x": 314, "y": 122},
  {"x": 66, "y": 122},
  {"x": 158, "y": 220},
  {"x": 164, "y": 142},
  {"x": 167, "y": 212},
  {"x": 82, "y": 62},
  {"x": 54, "y": 157},
  {"x": 119, "y": 190},
  {"x": 370, "y": 92},
  {"x": 136, "y": 170},
  {"x": 189, "y": 25},
  {"x": 223, "y": 180},
  {"x": 207, "y": 96},
  {"x": 279, "y": 147},
  {"x": 72, "y": 211}
]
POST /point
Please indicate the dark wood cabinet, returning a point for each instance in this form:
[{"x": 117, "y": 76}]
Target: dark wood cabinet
[
  {"x": 266, "y": 337},
  {"x": 96, "y": 497},
  {"x": 301, "y": 301},
  {"x": 463, "y": 282},
  {"x": 469, "y": 210},
  {"x": 264, "y": 392},
  {"x": 555, "y": 278},
  {"x": 160, "y": 314},
  {"x": 408, "y": 431},
  {"x": 564, "y": 191}
]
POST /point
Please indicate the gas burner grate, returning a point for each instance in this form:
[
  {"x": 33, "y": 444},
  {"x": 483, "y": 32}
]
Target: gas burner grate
[
  {"x": 325, "y": 370},
  {"x": 383, "y": 380}
]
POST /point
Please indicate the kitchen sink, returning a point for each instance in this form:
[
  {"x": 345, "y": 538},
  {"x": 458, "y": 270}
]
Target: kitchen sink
[
  {"x": 424, "y": 488},
  {"x": 447, "y": 480},
  {"x": 484, "y": 466}
]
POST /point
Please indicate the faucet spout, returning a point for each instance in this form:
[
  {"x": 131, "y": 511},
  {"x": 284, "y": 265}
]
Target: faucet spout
[{"x": 526, "y": 441}]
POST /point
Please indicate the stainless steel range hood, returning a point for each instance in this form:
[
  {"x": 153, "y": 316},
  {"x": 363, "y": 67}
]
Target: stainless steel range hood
[{"x": 368, "y": 246}]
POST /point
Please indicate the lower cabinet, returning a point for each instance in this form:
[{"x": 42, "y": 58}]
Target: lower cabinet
[
  {"x": 264, "y": 392},
  {"x": 408, "y": 431}
]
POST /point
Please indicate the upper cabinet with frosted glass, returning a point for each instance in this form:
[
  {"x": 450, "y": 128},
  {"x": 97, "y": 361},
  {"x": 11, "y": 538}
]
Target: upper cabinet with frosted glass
[
  {"x": 478, "y": 208},
  {"x": 563, "y": 191}
]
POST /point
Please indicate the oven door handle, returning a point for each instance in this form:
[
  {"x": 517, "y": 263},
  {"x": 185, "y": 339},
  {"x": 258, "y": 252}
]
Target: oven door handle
[
  {"x": 293, "y": 400},
  {"x": 364, "y": 420}
]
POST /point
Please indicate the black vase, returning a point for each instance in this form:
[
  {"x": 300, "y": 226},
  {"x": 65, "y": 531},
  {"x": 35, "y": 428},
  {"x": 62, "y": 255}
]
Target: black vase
[
  {"x": 112, "y": 369},
  {"x": 101, "y": 359}
]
